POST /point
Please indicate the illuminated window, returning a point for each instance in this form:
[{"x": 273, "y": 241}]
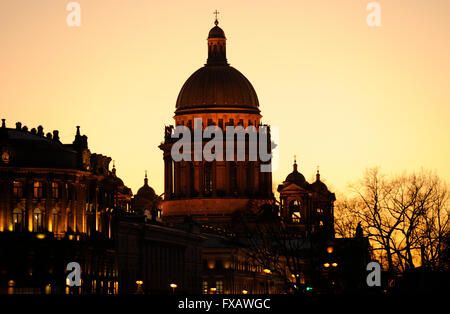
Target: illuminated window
[
  {"x": 55, "y": 190},
  {"x": 17, "y": 219},
  {"x": 18, "y": 189},
  {"x": 37, "y": 189},
  {"x": 294, "y": 207},
  {"x": 37, "y": 220},
  {"x": 219, "y": 287},
  {"x": 205, "y": 287},
  {"x": 319, "y": 210}
]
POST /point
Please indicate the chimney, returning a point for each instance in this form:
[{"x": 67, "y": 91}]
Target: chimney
[
  {"x": 49, "y": 135},
  {"x": 40, "y": 130},
  {"x": 25, "y": 128},
  {"x": 56, "y": 135},
  {"x": 3, "y": 123},
  {"x": 33, "y": 131},
  {"x": 18, "y": 126}
]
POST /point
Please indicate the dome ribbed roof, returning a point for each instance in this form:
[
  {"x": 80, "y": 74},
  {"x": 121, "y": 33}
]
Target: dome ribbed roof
[
  {"x": 319, "y": 186},
  {"x": 216, "y": 32},
  {"x": 217, "y": 86},
  {"x": 146, "y": 191},
  {"x": 296, "y": 177}
]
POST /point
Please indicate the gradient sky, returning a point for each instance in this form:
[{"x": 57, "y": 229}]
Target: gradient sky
[{"x": 346, "y": 96}]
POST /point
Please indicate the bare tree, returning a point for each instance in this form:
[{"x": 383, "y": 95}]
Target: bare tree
[{"x": 406, "y": 217}]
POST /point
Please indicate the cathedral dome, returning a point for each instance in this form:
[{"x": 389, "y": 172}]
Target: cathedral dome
[
  {"x": 216, "y": 32},
  {"x": 146, "y": 191},
  {"x": 217, "y": 86},
  {"x": 319, "y": 186},
  {"x": 296, "y": 177}
]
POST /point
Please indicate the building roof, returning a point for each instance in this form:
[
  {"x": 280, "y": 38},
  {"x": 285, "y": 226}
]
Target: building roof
[{"x": 23, "y": 148}]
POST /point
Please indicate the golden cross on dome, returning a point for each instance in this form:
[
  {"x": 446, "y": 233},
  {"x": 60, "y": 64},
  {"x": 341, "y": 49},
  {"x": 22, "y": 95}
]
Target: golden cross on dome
[
  {"x": 295, "y": 158},
  {"x": 216, "y": 12}
]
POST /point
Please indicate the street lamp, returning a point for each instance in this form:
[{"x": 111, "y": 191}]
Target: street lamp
[
  {"x": 173, "y": 286},
  {"x": 326, "y": 265},
  {"x": 334, "y": 264},
  {"x": 244, "y": 291},
  {"x": 267, "y": 271},
  {"x": 139, "y": 286}
]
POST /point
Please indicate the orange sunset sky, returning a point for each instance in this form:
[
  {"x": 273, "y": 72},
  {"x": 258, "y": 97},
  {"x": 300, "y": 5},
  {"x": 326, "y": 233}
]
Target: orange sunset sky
[{"x": 345, "y": 96}]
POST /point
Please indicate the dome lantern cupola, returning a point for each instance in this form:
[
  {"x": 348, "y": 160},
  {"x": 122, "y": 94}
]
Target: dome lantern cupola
[{"x": 217, "y": 53}]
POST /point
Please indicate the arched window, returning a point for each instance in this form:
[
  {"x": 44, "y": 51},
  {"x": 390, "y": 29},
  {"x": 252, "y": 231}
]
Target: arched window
[
  {"x": 17, "y": 219},
  {"x": 37, "y": 220},
  {"x": 294, "y": 209}
]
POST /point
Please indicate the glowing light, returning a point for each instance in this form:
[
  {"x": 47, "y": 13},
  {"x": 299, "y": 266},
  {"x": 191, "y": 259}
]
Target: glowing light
[
  {"x": 267, "y": 271},
  {"x": 139, "y": 282},
  {"x": 173, "y": 285},
  {"x": 244, "y": 291},
  {"x": 326, "y": 265},
  {"x": 330, "y": 249},
  {"x": 40, "y": 236},
  {"x": 334, "y": 264}
]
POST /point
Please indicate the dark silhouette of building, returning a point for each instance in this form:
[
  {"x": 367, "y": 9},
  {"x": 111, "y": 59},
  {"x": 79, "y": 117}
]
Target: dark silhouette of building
[{"x": 59, "y": 203}]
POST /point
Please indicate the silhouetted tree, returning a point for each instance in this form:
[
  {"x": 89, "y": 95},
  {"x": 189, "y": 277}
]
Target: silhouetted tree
[{"x": 406, "y": 217}]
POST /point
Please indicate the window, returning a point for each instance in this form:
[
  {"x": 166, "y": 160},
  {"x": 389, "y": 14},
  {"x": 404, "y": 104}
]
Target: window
[
  {"x": 294, "y": 207},
  {"x": 241, "y": 122},
  {"x": 37, "y": 189},
  {"x": 55, "y": 221},
  {"x": 205, "y": 287},
  {"x": 219, "y": 287},
  {"x": 37, "y": 220},
  {"x": 296, "y": 217},
  {"x": 18, "y": 189},
  {"x": 55, "y": 190},
  {"x": 207, "y": 178},
  {"x": 233, "y": 177},
  {"x": 319, "y": 210},
  {"x": 17, "y": 219}
]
